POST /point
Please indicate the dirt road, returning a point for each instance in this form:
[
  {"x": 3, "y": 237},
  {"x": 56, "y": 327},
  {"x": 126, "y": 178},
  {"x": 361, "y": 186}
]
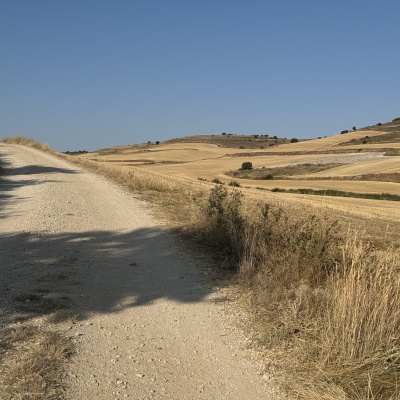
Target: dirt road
[{"x": 148, "y": 325}]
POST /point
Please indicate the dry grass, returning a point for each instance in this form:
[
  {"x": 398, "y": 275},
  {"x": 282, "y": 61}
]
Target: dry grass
[
  {"x": 32, "y": 363},
  {"x": 28, "y": 142},
  {"x": 323, "y": 301},
  {"x": 326, "y": 306}
]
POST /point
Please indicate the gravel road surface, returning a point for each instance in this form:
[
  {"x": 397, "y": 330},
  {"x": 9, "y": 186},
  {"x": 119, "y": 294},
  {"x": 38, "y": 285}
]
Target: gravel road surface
[{"x": 149, "y": 326}]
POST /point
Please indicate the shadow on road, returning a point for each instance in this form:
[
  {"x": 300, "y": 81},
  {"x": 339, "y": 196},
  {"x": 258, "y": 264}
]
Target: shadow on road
[
  {"x": 92, "y": 272},
  {"x": 37, "y": 169},
  {"x": 87, "y": 272},
  {"x": 11, "y": 177}
]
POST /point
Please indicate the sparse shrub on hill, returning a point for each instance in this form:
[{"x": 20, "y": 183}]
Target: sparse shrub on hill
[
  {"x": 217, "y": 181},
  {"x": 345, "y": 131},
  {"x": 396, "y": 119},
  {"x": 247, "y": 166},
  {"x": 294, "y": 140},
  {"x": 268, "y": 177},
  {"x": 72, "y": 153},
  {"x": 234, "y": 183}
]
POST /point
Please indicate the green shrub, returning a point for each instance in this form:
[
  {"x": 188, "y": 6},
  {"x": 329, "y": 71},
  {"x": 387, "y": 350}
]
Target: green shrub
[
  {"x": 247, "y": 165},
  {"x": 294, "y": 140},
  {"x": 224, "y": 223}
]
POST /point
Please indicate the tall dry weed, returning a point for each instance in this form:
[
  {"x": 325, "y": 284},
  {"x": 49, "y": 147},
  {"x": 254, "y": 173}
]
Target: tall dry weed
[{"x": 360, "y": 337}]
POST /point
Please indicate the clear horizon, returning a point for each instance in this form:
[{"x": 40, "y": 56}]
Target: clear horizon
[{"x": 93, "y": 74}]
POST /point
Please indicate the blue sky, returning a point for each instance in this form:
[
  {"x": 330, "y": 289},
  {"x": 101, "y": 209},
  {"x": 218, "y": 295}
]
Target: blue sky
[{"x": 90, "y": 74}]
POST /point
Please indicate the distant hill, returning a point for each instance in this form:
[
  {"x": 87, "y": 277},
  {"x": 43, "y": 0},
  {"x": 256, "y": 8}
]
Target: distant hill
[{"x": 233, "y": 141}]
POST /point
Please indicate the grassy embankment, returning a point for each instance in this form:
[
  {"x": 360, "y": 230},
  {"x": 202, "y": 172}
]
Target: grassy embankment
[{"x": 324, "y": 303}]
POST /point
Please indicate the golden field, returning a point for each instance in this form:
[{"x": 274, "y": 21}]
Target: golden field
[{"x": 361, "y": 168}]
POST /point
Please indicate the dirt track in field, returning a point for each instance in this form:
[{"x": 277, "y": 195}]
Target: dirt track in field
[{"x": 148, "y": 323}]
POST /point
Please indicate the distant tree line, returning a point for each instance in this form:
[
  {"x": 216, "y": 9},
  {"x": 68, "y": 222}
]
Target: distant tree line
[{"x": 72, "y": 153}]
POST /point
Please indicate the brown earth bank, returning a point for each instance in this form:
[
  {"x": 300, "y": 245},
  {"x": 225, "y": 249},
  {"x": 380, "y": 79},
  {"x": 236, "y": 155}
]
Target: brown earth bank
[{"x": 87, "y": 269}]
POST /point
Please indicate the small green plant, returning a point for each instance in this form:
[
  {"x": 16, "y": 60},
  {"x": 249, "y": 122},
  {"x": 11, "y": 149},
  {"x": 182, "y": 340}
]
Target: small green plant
[{"x": 217, "y": 181}]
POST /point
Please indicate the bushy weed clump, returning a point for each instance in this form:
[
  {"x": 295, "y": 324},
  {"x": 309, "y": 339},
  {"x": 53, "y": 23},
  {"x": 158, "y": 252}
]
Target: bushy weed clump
[
  {"x": 221, "y": 223},
  {"x": 323, "y": 300}
]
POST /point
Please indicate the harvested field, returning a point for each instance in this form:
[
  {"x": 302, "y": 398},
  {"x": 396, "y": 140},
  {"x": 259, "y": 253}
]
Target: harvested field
[{"x": 362, "y": 168}]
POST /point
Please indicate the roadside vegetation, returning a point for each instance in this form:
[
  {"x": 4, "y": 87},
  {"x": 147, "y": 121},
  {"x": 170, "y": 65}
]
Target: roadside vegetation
[
  {"x": 322, "y": 301},
  {"x": 28, "y": 142}
]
